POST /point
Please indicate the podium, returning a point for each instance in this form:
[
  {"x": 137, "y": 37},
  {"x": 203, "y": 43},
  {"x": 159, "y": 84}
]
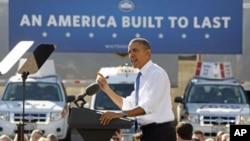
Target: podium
[{"x": 86, "y": 122}]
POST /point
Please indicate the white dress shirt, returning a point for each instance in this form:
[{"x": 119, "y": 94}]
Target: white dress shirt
[{"x": 154, "y": 95}]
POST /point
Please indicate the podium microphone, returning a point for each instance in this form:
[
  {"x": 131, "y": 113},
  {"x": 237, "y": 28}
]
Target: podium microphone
[
  {"x": 90, "y": 90},
  {"x": 81, "y": 96}
]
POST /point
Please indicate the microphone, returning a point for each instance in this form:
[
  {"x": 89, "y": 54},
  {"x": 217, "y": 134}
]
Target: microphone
[{"x": 90, "y": 90}]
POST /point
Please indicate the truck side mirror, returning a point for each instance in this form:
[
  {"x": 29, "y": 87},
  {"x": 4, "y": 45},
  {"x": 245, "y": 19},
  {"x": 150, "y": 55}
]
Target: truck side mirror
[{"x": 178, "y": 99}]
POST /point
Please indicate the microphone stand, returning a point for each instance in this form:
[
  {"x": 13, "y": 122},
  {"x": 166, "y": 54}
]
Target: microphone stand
[
  {"x": 82, "y": 100},
  {"x": 90, "y": 90},
  {"x": 20, "y": 126},
  {"x": 31, "y": 66},
  {"x": 5, "y": 65}
]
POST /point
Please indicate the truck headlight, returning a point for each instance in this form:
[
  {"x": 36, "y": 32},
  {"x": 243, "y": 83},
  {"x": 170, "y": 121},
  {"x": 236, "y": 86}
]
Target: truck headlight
[
  {"x": 5, "y": 116},
  {"x": 244, "y": 119},
  {"x": 59, "y": 115},
  {"x": 55, "y": 116},
  {"x": 194, "y": 118}
]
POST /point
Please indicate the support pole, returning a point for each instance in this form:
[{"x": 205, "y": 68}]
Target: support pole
[{"x": 20, "y": 126}]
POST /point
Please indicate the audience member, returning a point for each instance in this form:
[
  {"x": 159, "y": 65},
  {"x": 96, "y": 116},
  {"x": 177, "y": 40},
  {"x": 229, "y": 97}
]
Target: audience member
[
  {"x": 209, "y": 139},
  {"x": 195, "y": 139},
  {"x": 218, "y": 135},
  {"x": 199, "y": 135},
  {"x": 117, "y": 136},
  {"x": 52, "y": 137},
  {"x": 186, "y": 117},
  {"x": 5, "y": 137},
  {"x": 35, "y": 135},
  {"x": 137, "y": 136},
  {"x": 42, "y": 139},
  {"x": 184, "y": 131},
  {"x": 225, "y": 137}
]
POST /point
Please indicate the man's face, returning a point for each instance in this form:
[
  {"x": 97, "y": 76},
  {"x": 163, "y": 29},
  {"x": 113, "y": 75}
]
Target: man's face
[
  {"x": 138, "y": 54},
  {"x": 36, "y": 137},
  {"x": 3, "y": 139},
  {"x": 199, "y": 136}
]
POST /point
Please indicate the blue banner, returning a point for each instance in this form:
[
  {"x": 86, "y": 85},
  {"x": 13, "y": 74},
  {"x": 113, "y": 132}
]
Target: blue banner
[{"x": 172, "y": 26}]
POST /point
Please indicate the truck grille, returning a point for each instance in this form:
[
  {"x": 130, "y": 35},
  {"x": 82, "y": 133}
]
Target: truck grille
[
  {"x": 30, "y": 117},
  {"x": 218, "y": 120}
]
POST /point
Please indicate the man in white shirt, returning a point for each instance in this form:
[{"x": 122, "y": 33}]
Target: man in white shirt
[{"x": 151, "y": 102}]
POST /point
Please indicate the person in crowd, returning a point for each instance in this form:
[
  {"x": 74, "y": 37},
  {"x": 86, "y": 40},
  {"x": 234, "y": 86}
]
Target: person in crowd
[
  {"x": 42, "y": 139},
  {"x": 52, "y": 137},
  {"x": 150, "y": 103},
  {"x": 199, "y": 135},
  {"x": 186, "y": 117},
  {"x": 218, "y": 135},
  {"x": 184, "y": 131},
  {"x": 117, "y": 136},
  {"x": 137, "y": 136},
  {"x": 209, "y": 139},
  {"x": 35, "y": 135},
  {"x": 195, "y": 139},
  {"x": 225, "y": 137},
  {"x": 5, "y": 137}
]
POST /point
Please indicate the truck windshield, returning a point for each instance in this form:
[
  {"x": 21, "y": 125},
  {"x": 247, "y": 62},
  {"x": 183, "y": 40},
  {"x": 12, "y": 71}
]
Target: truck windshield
[
  {"x": 32, "y": 91},
  {"x": 103, "y": 102},
  {"x": 207, "y": 93}
]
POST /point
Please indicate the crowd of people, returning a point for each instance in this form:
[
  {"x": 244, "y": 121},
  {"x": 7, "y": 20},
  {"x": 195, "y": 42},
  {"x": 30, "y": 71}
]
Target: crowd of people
[
  {"x": 184, "y": 132},
  {"x": 36, "y": 135}
]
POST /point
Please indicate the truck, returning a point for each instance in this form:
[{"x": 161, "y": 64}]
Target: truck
[
  {"x": 120, "y": 79},
  {"x": 246, "y": 85},
  {"x": 39, "y": 102},
  {"x": 213, "y": 100}
]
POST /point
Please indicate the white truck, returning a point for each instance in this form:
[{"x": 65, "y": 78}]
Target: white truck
[
  {"x": 246, "y": 86},
  {"x": 45, "y": 106},
  {"x": 121, "y": 79},
  {"x": 213, "y": 100}
]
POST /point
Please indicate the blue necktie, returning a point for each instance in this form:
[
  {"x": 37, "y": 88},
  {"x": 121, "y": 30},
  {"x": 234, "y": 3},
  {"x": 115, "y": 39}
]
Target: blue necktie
[{"x": 137, "y": 87}]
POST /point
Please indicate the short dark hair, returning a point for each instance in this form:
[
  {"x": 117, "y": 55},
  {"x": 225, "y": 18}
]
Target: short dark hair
[
  {"x": 198, "y": 132},
  {"x": 184, "y": 130},
  {"x": 143, "y": 41}
]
